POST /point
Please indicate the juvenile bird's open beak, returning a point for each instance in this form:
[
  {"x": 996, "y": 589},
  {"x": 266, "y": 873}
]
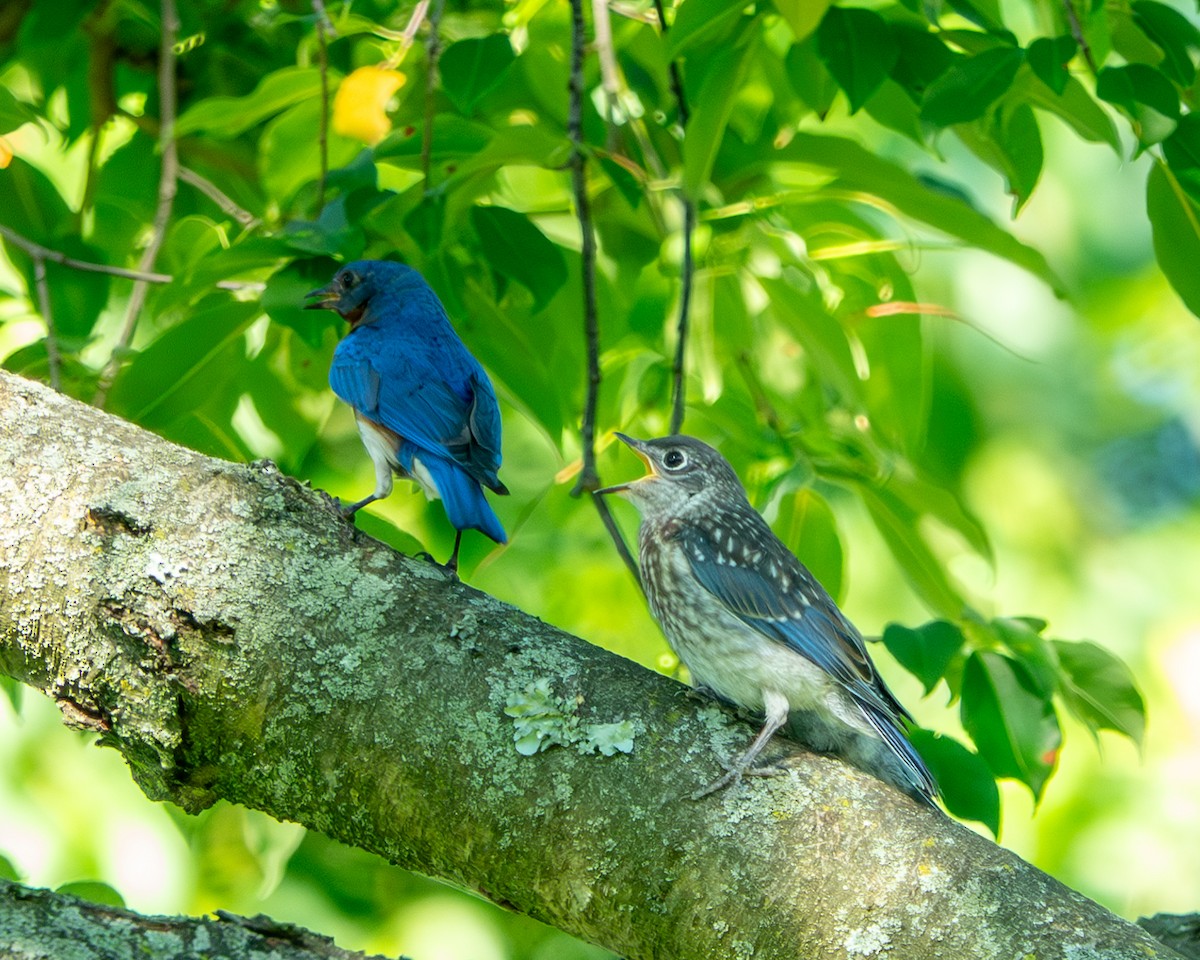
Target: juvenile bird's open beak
[
  {"x": 323, "y": 298},
  {"x": 638, "y": 447}
]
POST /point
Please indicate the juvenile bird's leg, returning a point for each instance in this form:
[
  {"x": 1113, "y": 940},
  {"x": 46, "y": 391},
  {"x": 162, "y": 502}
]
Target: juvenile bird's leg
[{"x": 777, "y": 714}]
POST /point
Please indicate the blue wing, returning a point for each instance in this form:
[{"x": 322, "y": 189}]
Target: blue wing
[
  {"x": 434, "y": 395},
  {"x": 777, "y": 596}
]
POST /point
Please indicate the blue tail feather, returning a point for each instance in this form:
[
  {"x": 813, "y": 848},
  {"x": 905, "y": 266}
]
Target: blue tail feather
[{"x": 465, "y": 503}]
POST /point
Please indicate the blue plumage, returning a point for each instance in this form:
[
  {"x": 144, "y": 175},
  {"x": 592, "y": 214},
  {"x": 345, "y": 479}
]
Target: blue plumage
[
  {"x": 425, "y": 407},
  {"x": 753, "y": 625}
]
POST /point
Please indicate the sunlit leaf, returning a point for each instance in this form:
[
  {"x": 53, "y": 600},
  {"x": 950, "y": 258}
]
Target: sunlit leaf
[
  {"x": 710, "y": 113},
  {"x": 801, "y": 15},
  {"x": 1182, "y": 153},
  {"x": 94, "y": 891},
  {"x": 224, "y": 117},
  {"x": 1014, "y": 727},
  {"x": 701, "y": 21},
  {"x": 1146, "y": 95},
  {"x": 1049, "y": 58},
  {"x": 1174, "y": 34},
  {"x": 1100, "y": 690},
  {"x": 806, "y": 524}
]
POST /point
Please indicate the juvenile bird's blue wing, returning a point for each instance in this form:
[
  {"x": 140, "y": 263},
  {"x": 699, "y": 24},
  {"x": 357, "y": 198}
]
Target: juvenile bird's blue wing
[{"x": 738, "y": 559}]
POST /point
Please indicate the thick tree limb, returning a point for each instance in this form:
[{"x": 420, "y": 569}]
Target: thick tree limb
[
  {"x": 232, "y": 636},
  {"x": 36, "y": 924}
]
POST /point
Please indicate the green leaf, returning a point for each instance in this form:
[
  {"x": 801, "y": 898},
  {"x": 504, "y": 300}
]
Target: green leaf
[
  {"x": 925, "y": 651},
  {"x": 1008, "y": 140},
  {"x": 1049, "y": 58},
  {"x": 858, "y": 49},
  {"x": 1175, "y": 224},
  {"x": 147, "y": 389},
  {"x": 806, "y": 524},
  {"x": 897, "y": 523},
  {"x": 1034, "y": 651},
  {"x": 801, "y": 15},
  {"x": 1146, "y": 95},
  {"x": 13, "y": 691},
  {"x": 923, "y": 57},
  {"x": 472, "y": 68},
  {"x": 93, "y": 890},
  {"x": 1182, "y": 153},
  {"x": 13, "y": 112},
  {"x": 810, "y": 78},
  {"x": 289, "y": 156},
  {"x": 697, "y": 21},
  {"x": 1174, "y": 34},
  {"x": 1075, "y": 107},
  {"x": 283, "y": 299},
  {"x": 7, "y": 870},
  {"x": 967, "y": 786},
  {"x": 710, "y": 112},
  {"x": 1099, "y": 689},
  {"x": 859, "y": 169},
  {"x": 1014, "y": 728},
  {"x": 223, "y": 118},
  {"x": 520, "y": 251},
  {"x": 969, "y": 87}
]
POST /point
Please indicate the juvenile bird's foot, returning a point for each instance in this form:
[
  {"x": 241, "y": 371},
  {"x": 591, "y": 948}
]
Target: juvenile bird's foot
[{"x": 733, "y": 774}]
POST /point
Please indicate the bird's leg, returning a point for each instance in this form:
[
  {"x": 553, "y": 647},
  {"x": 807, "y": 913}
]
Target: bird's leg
[
  {"x": 349, "y": 511},
  {"x": 452, "y": 563},
  {"x": 777, "y": 714}
]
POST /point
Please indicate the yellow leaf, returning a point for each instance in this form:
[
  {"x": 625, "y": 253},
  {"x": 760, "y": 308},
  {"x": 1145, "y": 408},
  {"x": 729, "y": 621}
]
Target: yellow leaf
[
  {"x": 6, "y": 152},
  {"x": 360, "y": 104}
]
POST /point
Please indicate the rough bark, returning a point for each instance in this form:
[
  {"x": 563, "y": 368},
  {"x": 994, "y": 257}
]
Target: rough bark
[
  {"x": 233, "y": 637},
  {"x": 41, "y": 925}
]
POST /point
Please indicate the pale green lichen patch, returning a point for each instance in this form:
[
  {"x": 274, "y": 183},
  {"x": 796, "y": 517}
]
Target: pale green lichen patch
[{"x": 542, "y": 720}]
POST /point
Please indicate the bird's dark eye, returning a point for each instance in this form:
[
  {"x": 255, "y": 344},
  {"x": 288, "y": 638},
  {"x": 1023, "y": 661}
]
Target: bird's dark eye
[
  {"x": 674, "y": 460},
  {"x": 349, "y": 280}
]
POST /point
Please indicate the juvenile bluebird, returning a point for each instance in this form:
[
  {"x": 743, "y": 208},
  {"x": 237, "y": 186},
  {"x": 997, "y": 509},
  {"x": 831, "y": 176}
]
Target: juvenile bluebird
[
  {"x": 752, "y": 625},
  {"x": 425, "y": 408}
]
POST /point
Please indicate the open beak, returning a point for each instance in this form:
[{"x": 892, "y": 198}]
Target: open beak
[
  {"x": 323, "y": 298},
  {"x": 638, "y": 447}
]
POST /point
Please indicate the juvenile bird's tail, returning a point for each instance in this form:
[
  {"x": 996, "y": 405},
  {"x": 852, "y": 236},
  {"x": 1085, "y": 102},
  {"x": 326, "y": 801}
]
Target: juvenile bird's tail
[{"x": 465, "y": 503}]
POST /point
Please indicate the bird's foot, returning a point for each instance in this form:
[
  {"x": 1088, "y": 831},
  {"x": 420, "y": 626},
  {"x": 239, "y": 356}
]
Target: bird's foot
[{"x": 733, "y": 774}]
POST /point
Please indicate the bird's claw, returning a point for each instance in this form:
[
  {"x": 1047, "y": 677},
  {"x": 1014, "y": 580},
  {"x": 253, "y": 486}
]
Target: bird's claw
[{"x": 733, "y": 774}]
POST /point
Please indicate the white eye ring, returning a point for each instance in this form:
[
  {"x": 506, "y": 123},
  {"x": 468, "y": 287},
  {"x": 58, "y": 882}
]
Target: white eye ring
[{"x": 675, "y": 460}]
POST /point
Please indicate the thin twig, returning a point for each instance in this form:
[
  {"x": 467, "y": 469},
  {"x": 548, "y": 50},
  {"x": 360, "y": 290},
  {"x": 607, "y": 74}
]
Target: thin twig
[
  {"x": 609, "y": 77},
  {"x": 433, "y": 51},
  {"x": 217, "y": 196},
  {"x": 53, "y": 358},
  {"x": 323, "y": 24},
  {"x": 678, "y": 380},
  {"x": 589, "y": 477},
  {"x": 38, "y": 252},
  {"x": 1077, "y": 33},
  {"x": 167, "y": 185}
]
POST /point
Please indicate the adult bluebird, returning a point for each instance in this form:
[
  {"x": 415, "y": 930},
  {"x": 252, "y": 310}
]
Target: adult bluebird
[
  {"x": 425, "y": 408},
  {"x": 752, "y": 625}
]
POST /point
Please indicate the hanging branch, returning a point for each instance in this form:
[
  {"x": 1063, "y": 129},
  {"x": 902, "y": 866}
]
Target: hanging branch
[
  {"x": 432, "y": 51},
  {"x": 589, "y": 478},
  {"x": 53, "y": 358},
  {"x": 1077, "y": 33},
  {"x": 217, "y": 196},
  {"x": 167, "y": 184},
  {"x": 689, "y": 226},
  {"x": 324, "y": 31},
  {"x": 38, "y": 252}
]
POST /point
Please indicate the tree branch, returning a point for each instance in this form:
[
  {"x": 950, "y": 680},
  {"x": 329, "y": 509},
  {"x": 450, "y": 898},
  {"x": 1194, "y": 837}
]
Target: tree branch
[
  {"x": 226, "y": 630},
  {"x": 40, "y": 923},
  {"x": 678, "y": 382},
  {"x": 219, "y": 197},
  {"x": 167, "y": 185}
]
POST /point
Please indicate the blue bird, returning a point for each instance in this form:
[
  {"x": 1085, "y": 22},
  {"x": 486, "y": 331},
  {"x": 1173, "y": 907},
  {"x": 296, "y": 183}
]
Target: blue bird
[
  {"x": 752, "y": 625},
  {"x": 425, "y": 408}
]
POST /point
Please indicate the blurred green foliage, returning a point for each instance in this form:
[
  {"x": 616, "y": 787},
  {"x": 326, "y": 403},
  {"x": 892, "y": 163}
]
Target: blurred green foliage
[{"x": 835, "y": 157}]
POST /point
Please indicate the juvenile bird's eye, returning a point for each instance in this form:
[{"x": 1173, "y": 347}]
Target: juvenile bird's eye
[{"x": 674, "y": 460}]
